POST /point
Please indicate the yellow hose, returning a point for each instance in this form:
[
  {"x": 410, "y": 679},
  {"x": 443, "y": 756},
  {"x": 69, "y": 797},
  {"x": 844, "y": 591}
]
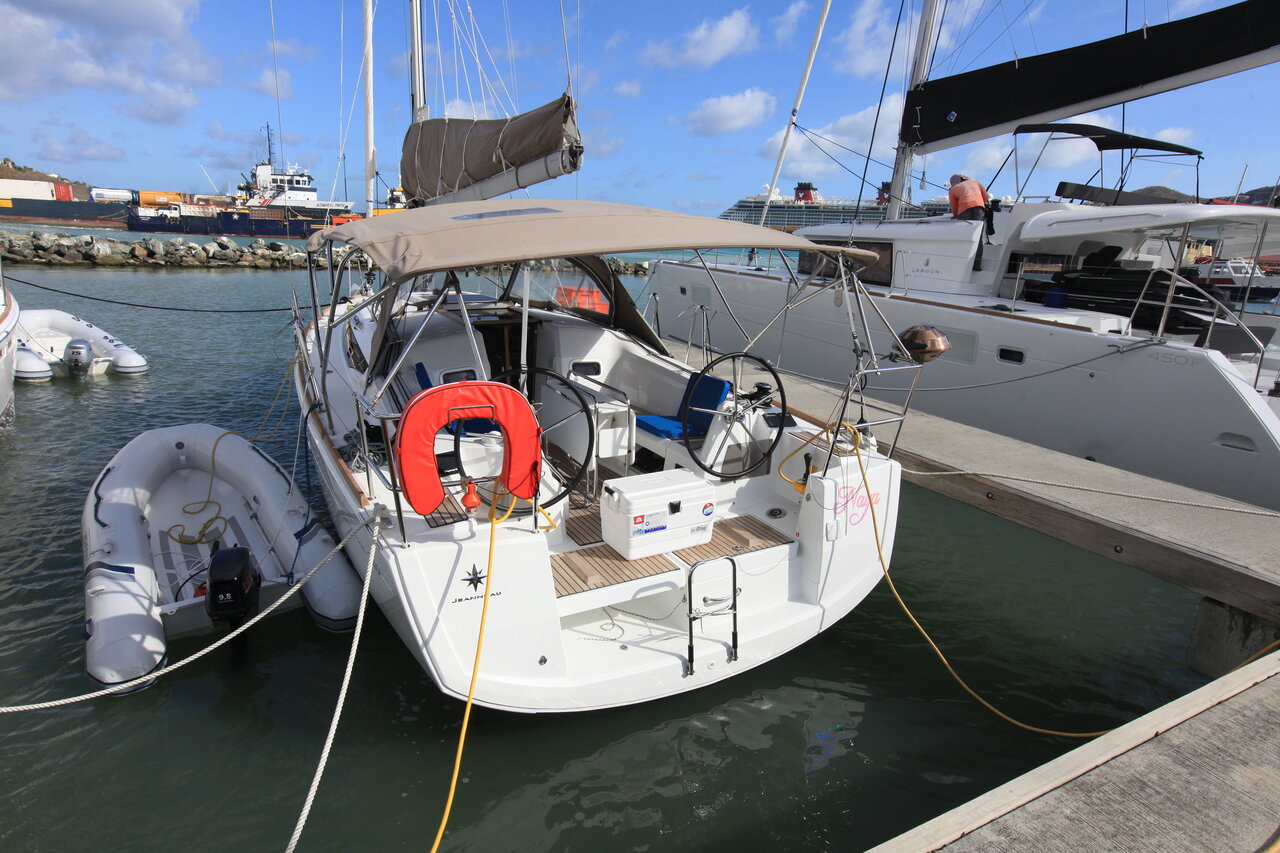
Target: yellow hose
[
  {"x": 475, "y": 667},
  {"x": 884, "y": 566}
]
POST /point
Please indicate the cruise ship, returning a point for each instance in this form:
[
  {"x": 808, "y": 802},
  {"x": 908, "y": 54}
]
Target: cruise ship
[{"x": 807, "y": 208}]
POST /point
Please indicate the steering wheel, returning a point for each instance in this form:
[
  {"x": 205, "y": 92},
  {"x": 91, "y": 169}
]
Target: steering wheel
[
  {"x": 737, "y": 432},
  {"x": 539, "y": 385}
]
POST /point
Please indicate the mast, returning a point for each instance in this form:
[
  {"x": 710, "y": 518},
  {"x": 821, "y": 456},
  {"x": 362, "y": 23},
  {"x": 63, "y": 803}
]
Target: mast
[
  {"x": 417, "y": 96},
  {"x": 919, "y": 70},
  {"x": 795, "y": 110},
  {"x": 370, "y": 149}
]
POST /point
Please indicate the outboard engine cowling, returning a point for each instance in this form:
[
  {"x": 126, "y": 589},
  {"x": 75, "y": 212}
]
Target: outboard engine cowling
[
  {"x": 78, "y": 357},
  {"x": 235, "y": 582}
]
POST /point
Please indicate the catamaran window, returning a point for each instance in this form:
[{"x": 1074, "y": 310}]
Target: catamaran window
[
  {"x": 964, "y": 345},
  {"x": 1013, "y": 356}
]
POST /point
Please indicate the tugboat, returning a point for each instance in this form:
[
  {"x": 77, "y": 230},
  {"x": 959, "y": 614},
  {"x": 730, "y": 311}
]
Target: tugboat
[{"x": 278, "y": 202}]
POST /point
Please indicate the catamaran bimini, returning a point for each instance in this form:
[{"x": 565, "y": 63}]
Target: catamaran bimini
[{"x": 639, "y": 527}]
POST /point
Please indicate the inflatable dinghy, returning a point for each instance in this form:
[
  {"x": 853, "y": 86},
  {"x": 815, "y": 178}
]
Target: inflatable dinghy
[
  {"x": 55, "y": 343},
  {"x": 191, "y": 528}
]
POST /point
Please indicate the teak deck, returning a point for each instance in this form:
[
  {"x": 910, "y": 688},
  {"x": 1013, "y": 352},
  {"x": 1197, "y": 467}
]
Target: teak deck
[{"x": 600, "y": 566}]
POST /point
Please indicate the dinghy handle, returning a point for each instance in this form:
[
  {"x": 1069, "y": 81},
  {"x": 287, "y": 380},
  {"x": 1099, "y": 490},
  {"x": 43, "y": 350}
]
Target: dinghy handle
[{"x": 97, "y": 496}]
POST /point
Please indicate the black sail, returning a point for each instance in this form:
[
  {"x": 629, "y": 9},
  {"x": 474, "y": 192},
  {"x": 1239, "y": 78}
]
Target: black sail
[{"x": 990, "y": 101}]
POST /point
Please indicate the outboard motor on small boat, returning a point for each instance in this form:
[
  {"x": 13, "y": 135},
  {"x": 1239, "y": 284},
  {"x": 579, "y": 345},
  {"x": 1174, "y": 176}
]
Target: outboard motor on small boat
[
  {"x": 78, "y": 356},
  {"x": 234, "y": 584}
]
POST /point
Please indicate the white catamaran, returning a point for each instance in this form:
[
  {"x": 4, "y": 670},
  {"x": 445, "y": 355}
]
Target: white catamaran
[{"x": 1070, "y": 333}]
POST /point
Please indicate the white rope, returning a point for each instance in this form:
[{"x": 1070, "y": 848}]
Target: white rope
[
  {"x": 1153, "y": 498},
  {"x": 342, "y": 699},
  {"x": 140, "y": 681}
]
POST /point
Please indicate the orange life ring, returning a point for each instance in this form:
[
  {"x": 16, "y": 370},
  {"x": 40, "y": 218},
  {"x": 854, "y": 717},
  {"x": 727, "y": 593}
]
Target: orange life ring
[{"x": 428, "y": 412}]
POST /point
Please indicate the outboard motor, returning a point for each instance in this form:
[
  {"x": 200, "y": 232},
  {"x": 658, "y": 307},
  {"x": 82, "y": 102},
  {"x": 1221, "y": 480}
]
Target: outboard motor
[
  {"x": 78, "y": 357},
  {"x": 234, "y": 584}
]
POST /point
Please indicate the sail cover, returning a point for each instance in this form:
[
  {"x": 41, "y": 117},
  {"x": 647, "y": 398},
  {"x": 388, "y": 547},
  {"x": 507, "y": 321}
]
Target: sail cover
[
  {"x": 457, "y": 159},
  {"x": 990, "y": 101}
]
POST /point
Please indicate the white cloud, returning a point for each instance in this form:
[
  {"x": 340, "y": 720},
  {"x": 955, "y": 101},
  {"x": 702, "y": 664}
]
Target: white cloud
[
  {"x": 461, "y": 108},
  {"x": 267, "y": 80},
  {"x": 708, "y": 43},
  {"x": 784, "y": 26},
  {"x": 142, "y": 50},
  {"x": 78, "y": 147},
  {"x": 1176, "y": 135},
  {"x": 731, "y": 112},
  {"x": 627, "y": 89},
  {"x": 805, "y": 157},
  {"x": 866, "y": 41},
  {"x": 597, "y": 145}
]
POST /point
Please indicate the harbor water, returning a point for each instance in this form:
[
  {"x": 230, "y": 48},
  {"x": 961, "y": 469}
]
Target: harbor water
[{"x": 854, "y": 737}]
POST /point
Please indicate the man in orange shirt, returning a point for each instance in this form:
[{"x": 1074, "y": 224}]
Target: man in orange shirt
[{"x": 969, "y": 201}]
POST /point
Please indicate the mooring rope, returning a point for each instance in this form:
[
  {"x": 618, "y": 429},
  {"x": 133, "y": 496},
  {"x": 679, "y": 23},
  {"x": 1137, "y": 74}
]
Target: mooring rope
[
  {"x": 342, "y": 700},
  {"x": 884, "y": 567},
  {"x": 141, "y": 680},
  {"x": 150, "y": 307}
]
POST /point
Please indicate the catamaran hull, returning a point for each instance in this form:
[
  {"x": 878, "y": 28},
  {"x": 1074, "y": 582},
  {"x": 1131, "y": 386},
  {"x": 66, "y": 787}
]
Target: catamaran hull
[{"x": 1164, "y": 410}]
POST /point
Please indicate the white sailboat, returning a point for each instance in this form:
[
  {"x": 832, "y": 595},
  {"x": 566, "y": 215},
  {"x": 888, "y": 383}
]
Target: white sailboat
[
  {"x": 634, "y": 526},
  {"x": 1070, "y": 334}
]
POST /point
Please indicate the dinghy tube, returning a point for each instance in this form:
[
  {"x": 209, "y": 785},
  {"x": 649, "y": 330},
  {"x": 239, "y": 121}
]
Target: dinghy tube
[{"x": 144, "y": 560}]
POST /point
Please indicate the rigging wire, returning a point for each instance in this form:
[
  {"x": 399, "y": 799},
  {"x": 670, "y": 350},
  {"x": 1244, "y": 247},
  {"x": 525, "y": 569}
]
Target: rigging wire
[
  {"x": 883, "y": 85},
  {"x": 275, "y": 65}
]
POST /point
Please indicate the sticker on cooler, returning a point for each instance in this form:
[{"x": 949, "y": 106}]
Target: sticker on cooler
[
  {"x": 649, "y": 523},
  {"x": 708, "y": 509}
]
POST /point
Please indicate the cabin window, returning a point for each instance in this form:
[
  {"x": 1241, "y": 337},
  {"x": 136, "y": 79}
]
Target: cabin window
[
  {"x": 574, "y": 288},
  {"x": 586, "y": 368},
  {"x": 1013, "y": 356},
  {"x": 468, "y": 375}
]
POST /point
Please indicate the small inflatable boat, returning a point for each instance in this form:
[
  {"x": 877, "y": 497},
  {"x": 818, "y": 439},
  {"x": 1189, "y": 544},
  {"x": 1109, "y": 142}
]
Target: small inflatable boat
[
  {"x": 191, "y": 528},
  {"x": 55, "y": 343}
]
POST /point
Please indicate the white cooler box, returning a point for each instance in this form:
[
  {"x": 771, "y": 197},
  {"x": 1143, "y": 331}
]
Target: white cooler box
[{"x": 649, "y": 514}]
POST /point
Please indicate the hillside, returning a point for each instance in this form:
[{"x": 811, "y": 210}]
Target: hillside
[{"x": 11, "y": 170}]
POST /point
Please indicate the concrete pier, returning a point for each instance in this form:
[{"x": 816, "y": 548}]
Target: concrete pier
[{"x": 1199, "y": 774}]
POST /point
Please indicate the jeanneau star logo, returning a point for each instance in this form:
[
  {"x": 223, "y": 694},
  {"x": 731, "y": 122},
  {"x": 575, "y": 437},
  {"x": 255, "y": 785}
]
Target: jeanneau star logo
[{"x": 475, "y": 578}]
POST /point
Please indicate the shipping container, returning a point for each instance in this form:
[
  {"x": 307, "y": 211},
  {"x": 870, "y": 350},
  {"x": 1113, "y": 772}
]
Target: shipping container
[
  {"x": 198, "y": 209},
  {"x": 156, "y": 198},
  {"x": 219, "y": 200},
  {"x": 273, "y": 213},
  {"x": 39, "y": 190},
  {"x": 104, "y": 194},
  {"x": 62, "y": 192}
]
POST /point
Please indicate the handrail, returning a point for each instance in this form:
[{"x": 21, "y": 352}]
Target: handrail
[{"x": 731, "y": 611}]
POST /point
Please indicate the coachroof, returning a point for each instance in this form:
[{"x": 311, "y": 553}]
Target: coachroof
[{"x": 477, "y": 233}]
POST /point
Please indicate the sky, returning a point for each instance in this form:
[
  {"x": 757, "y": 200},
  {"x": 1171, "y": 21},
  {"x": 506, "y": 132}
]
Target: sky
[{"x": 682, "y": 105}]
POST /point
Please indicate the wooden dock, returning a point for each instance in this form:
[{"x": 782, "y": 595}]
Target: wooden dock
[{"x": 1199, "y": 774}]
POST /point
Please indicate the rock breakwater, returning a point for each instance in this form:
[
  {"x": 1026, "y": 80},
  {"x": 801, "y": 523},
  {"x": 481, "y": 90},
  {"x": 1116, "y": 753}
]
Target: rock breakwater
[{"x": 42, "y": 247}]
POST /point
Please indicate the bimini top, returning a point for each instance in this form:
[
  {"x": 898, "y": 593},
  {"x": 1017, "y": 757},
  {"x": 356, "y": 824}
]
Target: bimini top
[
  {"x": 1107, "y": 139},
  {"x": 477, "y": 233}
]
